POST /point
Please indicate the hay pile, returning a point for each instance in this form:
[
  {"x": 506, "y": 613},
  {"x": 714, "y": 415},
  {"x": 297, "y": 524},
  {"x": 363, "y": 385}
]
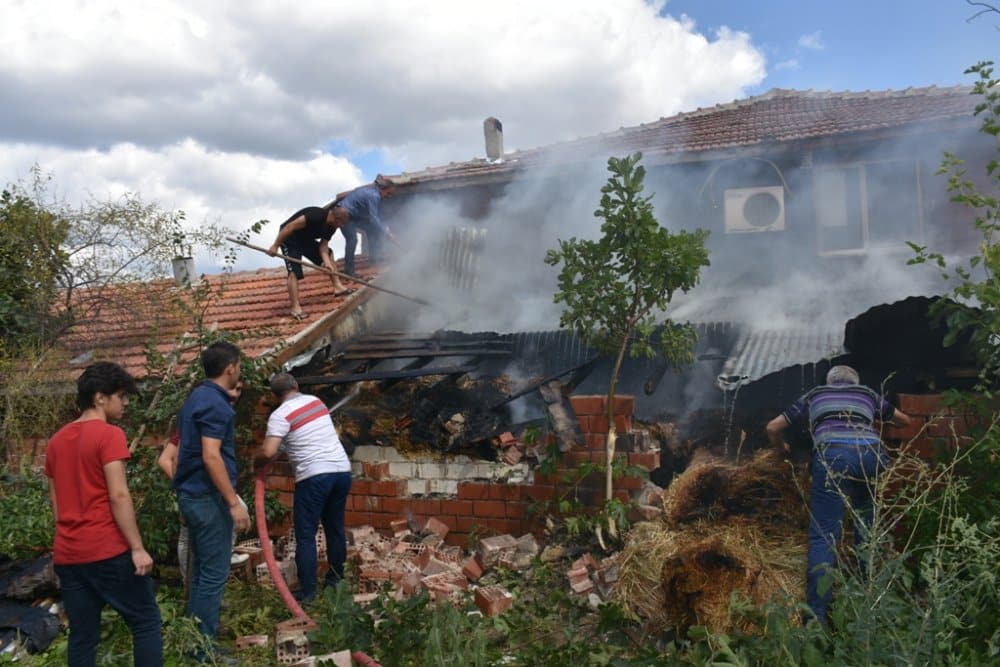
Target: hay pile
[{"x": 726, "y": 528}]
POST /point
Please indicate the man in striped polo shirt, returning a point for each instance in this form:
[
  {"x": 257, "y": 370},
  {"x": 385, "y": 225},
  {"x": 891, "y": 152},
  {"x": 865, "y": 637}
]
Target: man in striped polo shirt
[
  {"x": 302, "y": 427},
  {"x": 847, "y": 457}
]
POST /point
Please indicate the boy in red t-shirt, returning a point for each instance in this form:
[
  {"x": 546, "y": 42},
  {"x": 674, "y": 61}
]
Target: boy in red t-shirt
[{"x": 98, "y": 551}]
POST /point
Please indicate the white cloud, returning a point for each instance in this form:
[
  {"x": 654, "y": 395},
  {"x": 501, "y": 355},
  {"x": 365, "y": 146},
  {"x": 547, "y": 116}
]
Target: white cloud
[
  {"x": 812, "y": 41},
  {"x": 220, "y": 108}
]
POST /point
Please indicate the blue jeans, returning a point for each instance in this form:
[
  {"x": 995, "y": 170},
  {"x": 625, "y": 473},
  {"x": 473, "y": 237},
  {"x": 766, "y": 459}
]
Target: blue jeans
[
  {"x": 87, "y": 587},
  {"x": 210, "y": 529},
  {"x": 320, "y": 498},
  {"x": 374, "y": 240},
  {"x": 841, "y": 474}
]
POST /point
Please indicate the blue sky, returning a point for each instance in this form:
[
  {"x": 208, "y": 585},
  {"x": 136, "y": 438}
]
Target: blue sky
[{"x": 854, "y": 44}]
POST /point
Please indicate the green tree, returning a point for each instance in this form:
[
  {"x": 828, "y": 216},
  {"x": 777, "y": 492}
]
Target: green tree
[
  {"x": 616, "y": 289},
  {"x": 975, "y": 304},
  {"x": 31, "y": 258}
]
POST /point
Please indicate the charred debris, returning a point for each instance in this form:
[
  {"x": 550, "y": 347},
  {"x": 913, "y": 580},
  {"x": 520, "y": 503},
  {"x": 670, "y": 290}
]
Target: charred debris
[{"x": 450, "y": 392}]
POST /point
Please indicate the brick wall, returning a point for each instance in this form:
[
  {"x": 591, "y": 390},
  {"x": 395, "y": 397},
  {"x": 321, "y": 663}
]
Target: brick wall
[
  {"x": 481, "y": 497},
  {"x": 933, "y": 426}
]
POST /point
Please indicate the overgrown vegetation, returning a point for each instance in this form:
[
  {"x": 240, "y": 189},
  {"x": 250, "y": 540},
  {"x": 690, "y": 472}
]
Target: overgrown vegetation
[{"x": 615, "y": 289}]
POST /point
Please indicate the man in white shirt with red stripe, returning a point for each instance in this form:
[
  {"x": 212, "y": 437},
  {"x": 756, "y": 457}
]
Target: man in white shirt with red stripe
[{"x": 302, "y": 427}]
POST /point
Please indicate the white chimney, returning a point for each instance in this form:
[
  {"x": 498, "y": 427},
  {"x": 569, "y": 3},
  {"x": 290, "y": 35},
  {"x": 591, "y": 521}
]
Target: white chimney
[
  {"x": 493, "y": 130},
  {"x": 183, "y": 270}
]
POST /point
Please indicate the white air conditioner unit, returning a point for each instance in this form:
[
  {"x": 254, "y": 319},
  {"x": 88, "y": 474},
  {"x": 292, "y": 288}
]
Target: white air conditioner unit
[{"x": 755, "y": 209}]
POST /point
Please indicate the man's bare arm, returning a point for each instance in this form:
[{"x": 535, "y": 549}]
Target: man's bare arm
[
  {"x": 124, "y": 514},
  {"x": 211, "y": 456},
  {"x": 775, "y": 431}
]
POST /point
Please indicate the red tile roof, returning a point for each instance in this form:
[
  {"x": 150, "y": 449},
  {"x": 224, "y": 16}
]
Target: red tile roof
[
  {"x": 119, "y": 323},
  {"x": 777, "y": 116}
]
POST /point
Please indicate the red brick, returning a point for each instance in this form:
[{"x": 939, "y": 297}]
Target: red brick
[
  {"x": 574, "y": 458},
  {"x": 920, "y": 404},
  {"x": 389, "y": 487},
  {"x": 587, "y": 405},
  {"x": 625, "y": 405},
  {"x": 473, "y": 491},
  {"x": 369, "y": 504},
  {"x": 647, "y": 460},
  {"x": 629, "y": 483},
  {"x": 490, "y": 508},
  {"x": 493, "y": 600},
  {"x": 286, "y": 498},
  {"x": 515, "y": 510},
  {"x": 904, "y": 432},
  {"x": 542, "y": 479},
  {"x": 436, "y": 526},
  {"x": 597, "y": 441},
  {"x": 472, "y": 570},
  {"x": 456, "y": 507},
  {"x": 507, "y": 438},
  {"x": 946, "y": 427},
  {"x": 505, "y": 492},
  {"x": 598, "y": 424},
  {"x": 357, "y": 518},
  {"x": 381, "y": 521},
  {"x": 538, "y": 493},
  {"x": 280, "y": 483},
  {"x": 361, "y": 487},
  {"x": 377, "y": 470},
  {"x": 467, "y": 524},
  {"x": 623, "y": 423},
  {"x": 503, "y": 526},
  {"x": 392, "y": 505},
  {"x": 426, "y": 506}
]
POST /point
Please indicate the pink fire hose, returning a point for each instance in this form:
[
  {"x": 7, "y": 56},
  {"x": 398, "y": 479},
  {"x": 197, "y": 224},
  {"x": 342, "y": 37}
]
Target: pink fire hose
[{"x": 280, "y": 584}]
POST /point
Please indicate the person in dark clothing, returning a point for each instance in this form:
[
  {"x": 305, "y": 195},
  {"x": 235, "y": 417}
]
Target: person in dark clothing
[
  {"x": 307, "y": 234},
  {"x": 848, "y": 456},
  {"x": 364, "y": 209}
]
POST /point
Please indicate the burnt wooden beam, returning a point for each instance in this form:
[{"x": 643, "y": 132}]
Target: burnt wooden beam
[
  {"x": 432, "y": 343},
  {"x": 567, "y": 427},
  {"x": 580, "y": 371},
  {"x": 311, "y": 380},
  {"x": 413, "y": 352}
]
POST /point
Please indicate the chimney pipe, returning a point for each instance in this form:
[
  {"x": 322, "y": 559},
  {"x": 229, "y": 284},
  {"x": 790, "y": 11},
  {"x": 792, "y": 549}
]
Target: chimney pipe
[
  {"x": 493, "y": 130},
  {"x": 183, "y": 269}
]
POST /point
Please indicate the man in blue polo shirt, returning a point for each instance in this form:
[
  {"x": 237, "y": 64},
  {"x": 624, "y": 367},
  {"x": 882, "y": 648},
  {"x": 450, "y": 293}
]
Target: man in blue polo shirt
[
  {"x": 364, "y": 209},
  {"x": 205, "y": 482},
  {"x": 847, "y": 457}
]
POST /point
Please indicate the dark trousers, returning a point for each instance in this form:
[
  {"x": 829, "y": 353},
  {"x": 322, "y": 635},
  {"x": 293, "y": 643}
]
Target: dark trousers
[
  {"x": 842, "y": 476},
  {"x": 374, "y": 242},
  {"x": 320, "y": 498},
  {"x": 87, "y": 587},
  {"x": 210, "y": 530}
]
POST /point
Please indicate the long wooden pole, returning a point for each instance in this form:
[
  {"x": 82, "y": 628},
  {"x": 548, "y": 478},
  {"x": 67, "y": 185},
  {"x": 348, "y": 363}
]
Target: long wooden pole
[{"x": 310, "y": 265}]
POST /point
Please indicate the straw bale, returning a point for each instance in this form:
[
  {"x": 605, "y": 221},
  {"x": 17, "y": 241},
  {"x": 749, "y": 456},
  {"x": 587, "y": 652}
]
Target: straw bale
[
  {"x": 765, "y": 488},
  {"x": 683, "y": 576}
]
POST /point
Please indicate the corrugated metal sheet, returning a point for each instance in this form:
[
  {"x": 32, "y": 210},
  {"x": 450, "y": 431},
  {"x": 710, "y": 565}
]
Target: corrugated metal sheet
[{"x": 758, "y": 353}]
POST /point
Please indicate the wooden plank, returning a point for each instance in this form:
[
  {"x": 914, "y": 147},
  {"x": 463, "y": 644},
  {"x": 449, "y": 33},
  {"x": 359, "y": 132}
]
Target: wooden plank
[
  {"x": 406, "y": 354},
  {"x": 311, "y": 380}
]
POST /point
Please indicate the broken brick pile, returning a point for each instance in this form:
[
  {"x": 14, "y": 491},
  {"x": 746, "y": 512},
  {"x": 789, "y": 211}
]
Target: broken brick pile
[
  {"x": 488, "y": 504},
  {"x": 416, "y": 558}
]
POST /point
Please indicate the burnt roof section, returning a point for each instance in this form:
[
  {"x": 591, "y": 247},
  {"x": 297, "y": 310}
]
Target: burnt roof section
[{"x": 779, "y": 115}]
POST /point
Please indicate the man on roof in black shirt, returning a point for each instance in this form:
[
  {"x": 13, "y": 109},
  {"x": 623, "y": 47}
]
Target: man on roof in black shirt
[{"x": 307, "y": 234}]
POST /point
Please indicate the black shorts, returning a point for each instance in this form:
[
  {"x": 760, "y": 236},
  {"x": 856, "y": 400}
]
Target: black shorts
[{"x": 292, "y": 249}]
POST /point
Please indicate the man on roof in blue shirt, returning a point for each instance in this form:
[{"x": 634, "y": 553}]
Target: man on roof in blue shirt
[
  {"x": 847, "y": 457},
  {"x": 364, "y": 209}
]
